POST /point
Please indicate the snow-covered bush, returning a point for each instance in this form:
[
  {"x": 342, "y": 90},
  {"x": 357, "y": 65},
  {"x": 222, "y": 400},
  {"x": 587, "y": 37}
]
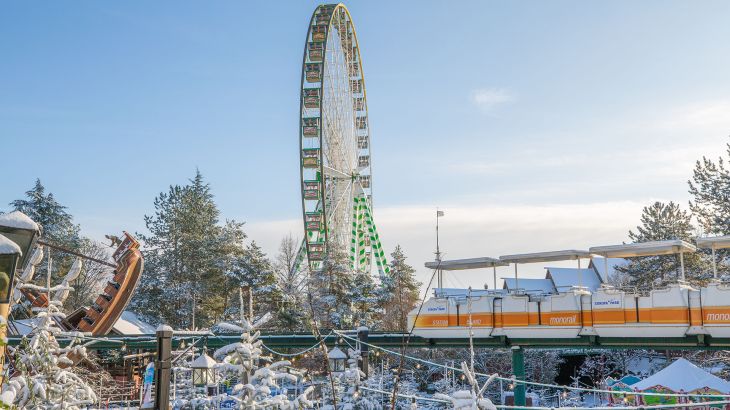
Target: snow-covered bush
[{"x": 44, "y": 377}]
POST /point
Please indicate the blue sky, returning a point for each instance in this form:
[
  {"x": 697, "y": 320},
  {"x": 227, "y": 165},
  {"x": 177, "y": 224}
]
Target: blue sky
[{"x": 536, "y": 125}]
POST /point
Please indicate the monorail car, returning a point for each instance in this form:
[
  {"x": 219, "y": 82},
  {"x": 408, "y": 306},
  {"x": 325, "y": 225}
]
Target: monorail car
[{"x": 676, "y": 310}]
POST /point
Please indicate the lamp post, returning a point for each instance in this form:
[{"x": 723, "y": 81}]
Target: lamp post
[
  {"x": 336, "y": 359},
  {"x": 18, "y": 234},
  {"x": 204, "y": 371}
]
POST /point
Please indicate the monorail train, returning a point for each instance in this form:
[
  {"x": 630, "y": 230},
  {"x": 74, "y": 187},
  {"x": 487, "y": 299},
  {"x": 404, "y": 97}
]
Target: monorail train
[{"x": 677, "y": 310}]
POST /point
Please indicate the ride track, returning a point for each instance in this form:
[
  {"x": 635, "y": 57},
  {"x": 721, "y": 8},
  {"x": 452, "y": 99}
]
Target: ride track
[{"x": 335, "y": 140}]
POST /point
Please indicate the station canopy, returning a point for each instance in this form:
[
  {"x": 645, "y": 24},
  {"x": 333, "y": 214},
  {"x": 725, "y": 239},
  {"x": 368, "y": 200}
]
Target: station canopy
[
  {"x": 552, "y": 256},
  {"x": 463, "y": 264},
  {"x": 717, "y": 242},
  {"x": 652, "y": 248}
]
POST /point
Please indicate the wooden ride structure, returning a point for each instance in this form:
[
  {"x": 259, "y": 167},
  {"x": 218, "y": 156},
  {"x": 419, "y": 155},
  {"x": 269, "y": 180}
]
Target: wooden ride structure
[{"x": 100, "y": 317}]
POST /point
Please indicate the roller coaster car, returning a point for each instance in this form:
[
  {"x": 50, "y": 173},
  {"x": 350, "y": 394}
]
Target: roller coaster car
[
  {"x": 313, "y": 72},
  {"x": 319, "y": 33},
  {"x": 310, "y": 157},
  {"x": 675, "y": 311},
  {"x": 311, "y": 189},
  {"x": 310, "y": 127},
  {"x": 316, "y": 51}
]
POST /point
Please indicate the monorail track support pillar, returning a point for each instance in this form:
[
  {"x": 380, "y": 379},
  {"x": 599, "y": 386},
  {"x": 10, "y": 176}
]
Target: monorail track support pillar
[{"x": 518, "y": 370}]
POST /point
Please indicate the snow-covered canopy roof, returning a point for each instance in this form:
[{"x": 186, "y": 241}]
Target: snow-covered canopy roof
[
  {"x": 550, "y": 256},
  {"x": 685, "y": 376},
  {"x": 461, "y": 264},
  {"x": 18, "y": 220},
  {"x": 599, "y": 265},
  {"x": 716, "y": 242},
  {"x": 130, "y": 324},
  {"x": 336, "y": 353},
  {"x": 644, "y": 249},
  {"x": 565, "y": 278},
  {"x": 452, "y": 292},
  {"x": 8, "y": 247},
  {"x": 203, "y": 362},
  {"x": 530, "y": 285}
]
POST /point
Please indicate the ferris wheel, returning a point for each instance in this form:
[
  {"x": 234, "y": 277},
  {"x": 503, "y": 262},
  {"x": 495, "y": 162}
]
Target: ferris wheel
[{"x": 335, "y": 160}]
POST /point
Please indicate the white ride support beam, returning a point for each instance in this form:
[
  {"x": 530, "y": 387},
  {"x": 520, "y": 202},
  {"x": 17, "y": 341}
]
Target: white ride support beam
[
  {"x": 653, "y": 248},
  {"x": 550, "y": 256},
  {"x": 717, "y": 242},
  {"x": 469, "y": 263}
]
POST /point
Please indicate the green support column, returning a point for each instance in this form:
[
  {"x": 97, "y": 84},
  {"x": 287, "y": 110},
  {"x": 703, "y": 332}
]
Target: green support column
[{"x": 518, "y": 370}]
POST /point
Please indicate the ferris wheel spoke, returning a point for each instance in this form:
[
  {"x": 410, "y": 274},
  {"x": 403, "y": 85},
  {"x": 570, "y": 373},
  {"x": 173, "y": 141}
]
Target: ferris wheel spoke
[{"x": 335, "y": 173}]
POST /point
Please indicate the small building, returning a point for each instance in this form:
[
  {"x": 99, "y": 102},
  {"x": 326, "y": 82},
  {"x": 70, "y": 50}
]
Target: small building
[
  {"x": 598, "y": 264},
  {"x": 565, "y": 278}
]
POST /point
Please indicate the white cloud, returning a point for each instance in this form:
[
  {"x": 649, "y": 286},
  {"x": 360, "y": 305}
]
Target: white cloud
[
  {"x": 700, "y": 115},
  {"x": 489, "y": 98}
]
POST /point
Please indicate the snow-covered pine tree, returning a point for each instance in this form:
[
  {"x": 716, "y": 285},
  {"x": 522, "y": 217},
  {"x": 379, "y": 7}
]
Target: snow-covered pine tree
[
  {"x": 663, "y": 221},
  {"x": 710, "y": 188},
  {"x": 353, "y": 396},
  {"x": 398, "y": 293},
  {"x": 258, "y": 380},
  {"x": 187, "y": 253},
  {"x": 331, "y": 292},
  {"x": 470, "y": 399},
  {"x": 44, "y": 377},
  {"x": 253, "y": 269}
]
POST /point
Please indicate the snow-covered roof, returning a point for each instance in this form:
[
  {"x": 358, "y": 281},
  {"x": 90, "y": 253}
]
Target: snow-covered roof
[
  {"x": 8, "y": 247},
  {"x": 598, "y": 264},
  {"x": 565, "y": 278},
  {"x": 629, "y": 250},
  {"x": 23, "y": 326},
  {"x": 18, "y": 220},
  {"x": 551, "y": 256},
  {"x": 130, "y": 324},
  {"x": 203, "y": 362},
  {"x": 530, "y": 285},
  {"x": 461, "y": 264},
  {"x": 716, "y": 242},
  {"x": 447, "y": 292},
  {"x": 336, "y": 353},
  {"x": 685, "y": 376}
]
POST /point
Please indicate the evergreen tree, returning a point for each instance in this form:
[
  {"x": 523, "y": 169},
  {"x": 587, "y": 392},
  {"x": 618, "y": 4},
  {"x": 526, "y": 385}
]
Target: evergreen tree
[
  {"x": 399, "y": 292},
  {"x": 59, "y": 228},
  {"x": 252, "y": 269},
  {"x": 57, "y": 223},
  {"x": 330, "y": 292},
  {"x": 663, "y": 221},
  {"x": 710, "y": 189},
  {"x": 187, "y": 255}
]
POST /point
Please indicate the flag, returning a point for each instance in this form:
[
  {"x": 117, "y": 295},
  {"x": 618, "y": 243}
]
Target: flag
[{"x": 439, "y": 213}]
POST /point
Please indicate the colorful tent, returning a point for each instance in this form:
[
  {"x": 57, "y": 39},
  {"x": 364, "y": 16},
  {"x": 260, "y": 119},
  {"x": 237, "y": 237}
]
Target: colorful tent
[{"x": 681, "y": 377}]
